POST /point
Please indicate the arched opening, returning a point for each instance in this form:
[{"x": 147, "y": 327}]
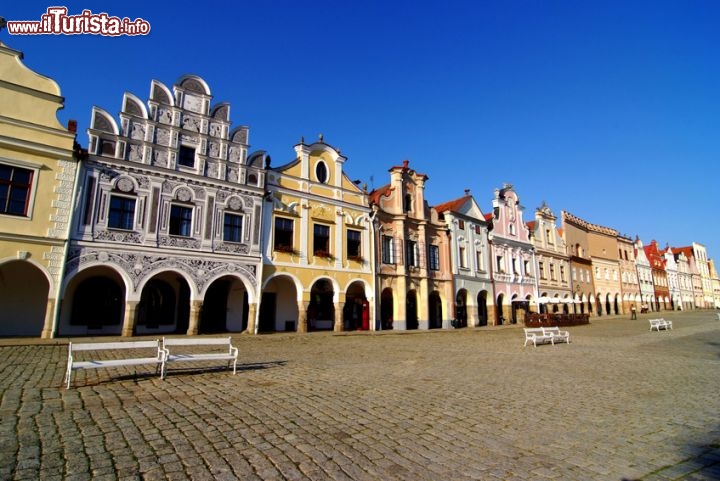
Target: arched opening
[
  {"x": 499, "y": 317},
  {"x": 225, "y": 307},
  {"x": 321, "y": 309},
  {"x": 434, "y": 310},
  {"x": 23, "y": 297},
  {"x": 98, "y": 304},
  {"x": 461, "y": 309},
  {"x": 279, "y": 306},
  {"x": 411, "y": 310},
  {"x": 599, "y": 304},
  {"x": 356, "y": 313},
  {"x": 608, "y": 306},
  {"x": 386, "y": 308},
  {"x": 164, "y": 305},
  {"x": 482, "y": 308}
]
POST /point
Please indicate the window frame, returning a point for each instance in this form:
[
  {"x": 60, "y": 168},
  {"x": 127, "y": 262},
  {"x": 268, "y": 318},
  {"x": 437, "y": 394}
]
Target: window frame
[
  {"x": 183, "y": 154},
  {"x": 388, "y": 253},
  {"x": 319, "y": 250},
  {"x": 123, "y": 213},
  {"x": 356, "y": 244},
  {"x": 184, "y": 222},
  {"x": 434, "y": 257},
  {"x": 283, "y": 221},
  {"x": 237, "y": 226},
  {"x": 31, "y": 187}
]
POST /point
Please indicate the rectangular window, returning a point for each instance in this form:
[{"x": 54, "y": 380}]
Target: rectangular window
[
  {"x": 499, "y": 264},
  {"x": 388, "y": 256},
  {"x": 479, "y": 260},
  {"x": 526, "y": 269},
  {"x": 321, "y": 240},
  {"x": 232, "y": 227},
  {"x": 180, "y": 220},
  {"x": 552, "y": 272},
  {"x": 434, "y": 255},
  {"x": 353, "y": 244},
  {"x": 122, "y": 213},
  {"x": 541, "y": 268},
  {"x": 515, "y": 266},
  {"x": 461, "y": 224},
  {"x": 462, "y": 257},
  {"x": 15, "y": 187},
  {"x": 562, "y": 273},
  {"x": 411, "y": 254},
  {"x": 186, "y": 156},
  {"x": 283, "y": 239},
  {"x": 477, "y": 230}
]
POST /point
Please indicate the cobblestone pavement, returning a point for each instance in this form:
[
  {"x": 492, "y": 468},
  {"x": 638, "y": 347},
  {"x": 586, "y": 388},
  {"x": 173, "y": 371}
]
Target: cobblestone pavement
[{"x": 618, "y": 403}]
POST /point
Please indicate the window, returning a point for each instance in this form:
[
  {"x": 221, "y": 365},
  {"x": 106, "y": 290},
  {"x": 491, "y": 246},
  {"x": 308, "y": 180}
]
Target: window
[
  {"x": 552, "y": 272},
  {"x": 461, "y": 224},
  {"x": 388, "y": 256},
  {"x": 180, "y": 220},
  {"x": 462, "y": 258},
  {"x": 526, "y": 268},
  {"x": 122, "y": 212},
  {"x": 515, "y": 266},
  {"x": 353, "y": 244},
  {"x": 541, "y": 268},
  {"x": 232, "y": 227},
  {"x": 321, "y": 172},
  {"x": 321, "y": 240},
  {"x": 411, "y": 254},
  {"x": 186, "y": 156},
  {"x": 15, "y": 186},
  {"x": 499, "y": 264},
  {"x": 549, "y": 237},
  {"x": 479, "y": 260},
  {"x": 434, "y": 255},
  {"x": 407, "y": 205},
  {"x": 562, "y": 273},
  {"x": 511, "y": 229},
  {"x": 477, "y": 230},
  {"x": 283, "y": 240}
]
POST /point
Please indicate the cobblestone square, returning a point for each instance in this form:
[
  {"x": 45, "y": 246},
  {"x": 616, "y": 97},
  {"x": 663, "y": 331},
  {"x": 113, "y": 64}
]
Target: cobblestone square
[{"x": 618, "y": 403}]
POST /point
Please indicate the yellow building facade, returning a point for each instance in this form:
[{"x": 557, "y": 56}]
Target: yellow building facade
[
  {"x": 318, "y": 252},
  {"x": 37, "y": 179}
]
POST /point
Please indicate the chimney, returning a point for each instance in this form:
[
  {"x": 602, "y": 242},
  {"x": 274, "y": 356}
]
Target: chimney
[{"x": 72, "y": 126}]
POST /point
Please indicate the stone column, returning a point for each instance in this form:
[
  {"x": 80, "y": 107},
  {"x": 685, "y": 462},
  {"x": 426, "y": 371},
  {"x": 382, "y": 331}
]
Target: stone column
[
  {"x": 252, "y": 312},
  {"x": 338, "y": 325},
  {"x": 194, "y": 324},
  {"x": 129, "y": 318},
  {"x": 423, "y": 307},
  {"x": 47, "y": 331},
  {"x": 302, "y": 326}
]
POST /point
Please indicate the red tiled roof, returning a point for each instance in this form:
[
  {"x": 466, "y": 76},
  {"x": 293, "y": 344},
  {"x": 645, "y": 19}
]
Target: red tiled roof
[
  {"x": 489, "y": 216},
  {"x": 530, "y": 225},
  {"x": 375, "y": 194},
  {"x": 452, "y": 206}
]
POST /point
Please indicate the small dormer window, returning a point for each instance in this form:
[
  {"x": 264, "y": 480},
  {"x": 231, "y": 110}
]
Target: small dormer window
[
  {"x": 321, "y": 172},
  {"x": 407, "y": 207},
  {"x": 186, "y": 156}
]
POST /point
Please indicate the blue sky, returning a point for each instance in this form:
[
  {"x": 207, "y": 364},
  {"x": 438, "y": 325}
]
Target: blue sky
[{"x": 607, "y": 109}]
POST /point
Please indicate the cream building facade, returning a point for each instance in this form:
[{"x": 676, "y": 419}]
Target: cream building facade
[
  {"x": 644, "y": 275},
  {"x": 318, "y": 246},
  {"x": 470, "y": 260},
  {"x": 552, "y": 264},
  {"x": 166, "y": 228},
  {"x": 630, "y": 285},
  {"x": 414, "y": 271},
  {"x": 38, "y": 170}
]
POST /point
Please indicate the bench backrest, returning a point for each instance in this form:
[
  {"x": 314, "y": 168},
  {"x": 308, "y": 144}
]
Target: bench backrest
[
  {"x": 551, "y": 329},
  {"x": 533, "y": 330},
  {"x": 197, "y": 341},
  {"x": 97, "y": 346}
]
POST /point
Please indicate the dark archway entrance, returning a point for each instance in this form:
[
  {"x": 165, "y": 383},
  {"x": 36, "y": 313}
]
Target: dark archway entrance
[
  {"x": 411, "y": 310},
  {"x": 279, "y": 306},
  {"x": 225, "y": 307},
  {"x": 165, "y": 304},
  {"x": 386, "y": 308},
  {"x": 356, "y": 313},
  {"x": 461, "y": 309},
  {"x": 482, "y": 308},
  {"x": 321, "y": 309},
  {"x": 499, "y": 317},
  {"x": 435, "y": 315}
]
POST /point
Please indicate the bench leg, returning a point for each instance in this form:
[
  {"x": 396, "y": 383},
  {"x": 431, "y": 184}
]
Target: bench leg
[{"x": 68, "y": 376}]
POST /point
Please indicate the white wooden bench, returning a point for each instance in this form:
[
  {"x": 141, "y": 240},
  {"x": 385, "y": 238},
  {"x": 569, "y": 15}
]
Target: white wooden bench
[
  {"x": 657, "y": 324},
  {"x": 223, "y": 350},
  {"x": 537, "y": 335},
  {"x": 557, "y": 334},
  {"x": 116, "y": 348}
]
